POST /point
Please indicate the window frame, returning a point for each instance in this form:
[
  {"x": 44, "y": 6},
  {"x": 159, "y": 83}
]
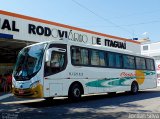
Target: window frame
[
  {"x": 99, "y": 58},
  {"x": 72, "y": 57},
  {"x": 106, "y": 58},
  {"x": 141, "y": 67},
  {"x": 145, "y": 46},
  {"x": 124, "y": 62},
  {"x": 56, "y": 45},
  {"x": 115, "y": 66},
  {"x": 153, "y": 64}
]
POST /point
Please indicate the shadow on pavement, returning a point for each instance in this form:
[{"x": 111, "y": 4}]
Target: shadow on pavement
[
  {"x": 117, "y": 99},
  {"x": 64, "y": 108}
]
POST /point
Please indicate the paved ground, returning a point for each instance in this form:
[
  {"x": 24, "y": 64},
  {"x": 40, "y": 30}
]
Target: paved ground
[
  {"x": 4, "y": 96},
  {"x": 121, "y": 106}
]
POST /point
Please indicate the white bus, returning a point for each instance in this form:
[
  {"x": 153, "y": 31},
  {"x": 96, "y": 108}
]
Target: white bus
[{"x": 66, "y": 68}]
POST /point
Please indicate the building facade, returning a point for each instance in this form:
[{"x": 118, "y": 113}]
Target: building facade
[
  {"x": 18, "y": 31},
  {"x": 153, "y": 50}
]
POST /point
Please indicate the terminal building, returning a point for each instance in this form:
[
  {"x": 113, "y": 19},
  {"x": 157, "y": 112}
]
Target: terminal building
[
  {"x": 18, "y": 31},
  {"x": 153, "y": 50}
]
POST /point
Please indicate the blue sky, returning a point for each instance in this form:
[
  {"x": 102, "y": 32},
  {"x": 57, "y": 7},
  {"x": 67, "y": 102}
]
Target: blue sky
[{"x": 124, "y": 18}]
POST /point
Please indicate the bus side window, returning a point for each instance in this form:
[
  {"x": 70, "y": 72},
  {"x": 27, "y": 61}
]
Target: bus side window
[
  {"x": 56, "y": 64},
  {"x": 57, "y": 60},
  {"x": 114, "y": 60},
  {"x": 84, "y": 57},
  {"x": 128, "y": 62},
  {"x": 79, "y": 56},
  {"x": 94, "y": 57},
  {"x": 140, "y": 63},
  {"x": 75, "y": 55},
  {"x": 102, "y": 58},
  {"x": 150, "y": 64},
  {"x": 111, "y": 59},
  {"x": 118, "y": 58},
  {"x": 98, "y": 58}
]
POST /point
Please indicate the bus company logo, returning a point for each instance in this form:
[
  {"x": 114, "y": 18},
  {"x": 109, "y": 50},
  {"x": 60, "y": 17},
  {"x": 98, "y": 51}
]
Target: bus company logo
[
  {"x": 138, "y": 75},
  {"x": 125, "y": 74}
]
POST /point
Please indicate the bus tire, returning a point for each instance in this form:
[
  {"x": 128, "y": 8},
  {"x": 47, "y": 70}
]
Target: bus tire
[
  {"x": 75, "y": 92},
  {"x": 134, "y": 88}
]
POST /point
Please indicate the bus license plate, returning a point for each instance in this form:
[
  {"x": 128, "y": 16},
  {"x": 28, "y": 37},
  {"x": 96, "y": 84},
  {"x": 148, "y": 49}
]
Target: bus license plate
[{"x": 21, "y": 91}]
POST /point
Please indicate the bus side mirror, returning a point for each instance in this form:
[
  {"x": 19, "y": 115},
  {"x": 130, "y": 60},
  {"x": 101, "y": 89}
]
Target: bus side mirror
[{"x": 48, "y": 55}]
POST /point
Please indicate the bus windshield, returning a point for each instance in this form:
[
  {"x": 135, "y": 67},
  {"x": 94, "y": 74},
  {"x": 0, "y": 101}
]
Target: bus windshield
[{"x": 29, "y": 62}]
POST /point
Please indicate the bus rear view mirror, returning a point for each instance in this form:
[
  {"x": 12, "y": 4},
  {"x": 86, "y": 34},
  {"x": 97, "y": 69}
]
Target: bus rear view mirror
[{"x": 49, "y": 53}]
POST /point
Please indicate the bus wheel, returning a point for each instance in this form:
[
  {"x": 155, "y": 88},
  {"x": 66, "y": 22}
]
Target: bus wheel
[
  {"x": 75, "y": 92},
  {"x": 134, "y": 88}
]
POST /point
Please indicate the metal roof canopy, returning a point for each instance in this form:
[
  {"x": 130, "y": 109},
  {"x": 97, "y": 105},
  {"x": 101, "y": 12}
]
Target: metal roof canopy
[{"x": 9, "y": 49}]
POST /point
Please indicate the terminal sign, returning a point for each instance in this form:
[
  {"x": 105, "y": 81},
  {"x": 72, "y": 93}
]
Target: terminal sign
[
  {"x": 54, "y": 33},
  {"x": 11, "y": 26}
]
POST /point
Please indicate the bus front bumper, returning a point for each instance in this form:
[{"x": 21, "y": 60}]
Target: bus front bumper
[{"x": 36, "y": 92}]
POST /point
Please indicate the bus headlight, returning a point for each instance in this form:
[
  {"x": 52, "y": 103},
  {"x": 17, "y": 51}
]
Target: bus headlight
[
  {"x": 13, "y": 85},
  {"x": 33, "y": 85}
]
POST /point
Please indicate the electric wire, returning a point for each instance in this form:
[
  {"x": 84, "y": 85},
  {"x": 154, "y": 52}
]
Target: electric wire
[{"x": 101, "y": 17}]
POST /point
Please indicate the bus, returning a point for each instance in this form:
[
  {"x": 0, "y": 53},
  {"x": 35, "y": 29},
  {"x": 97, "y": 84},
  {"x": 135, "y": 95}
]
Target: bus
[{"x": 65, "y": 68}]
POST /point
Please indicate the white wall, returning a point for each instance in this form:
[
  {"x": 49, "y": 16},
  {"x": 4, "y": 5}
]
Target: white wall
[{"x": 23, "y": 25}]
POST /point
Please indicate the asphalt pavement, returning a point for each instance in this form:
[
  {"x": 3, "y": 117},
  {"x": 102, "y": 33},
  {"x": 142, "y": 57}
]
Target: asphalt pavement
[{"x": 121, "y": 106}]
